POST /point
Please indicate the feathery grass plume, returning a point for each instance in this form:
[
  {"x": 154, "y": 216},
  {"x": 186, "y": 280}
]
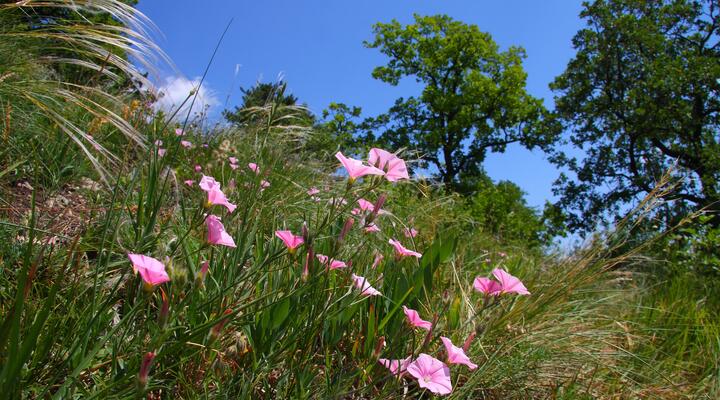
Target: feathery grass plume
[{"x": 37, "y": 43}]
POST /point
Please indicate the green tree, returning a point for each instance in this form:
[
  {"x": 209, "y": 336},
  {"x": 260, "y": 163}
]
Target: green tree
[
  {"x": 502, "y": 211},
  {"x": 473, "y": 98},
  {"x": 640, "y": 96},
  {"x": 283, "y": 107}
]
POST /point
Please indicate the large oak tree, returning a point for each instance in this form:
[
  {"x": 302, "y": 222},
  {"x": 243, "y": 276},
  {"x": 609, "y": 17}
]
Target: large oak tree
[
  {"x": 473, "y": 96},
  {"x": 641, "y": 96}
]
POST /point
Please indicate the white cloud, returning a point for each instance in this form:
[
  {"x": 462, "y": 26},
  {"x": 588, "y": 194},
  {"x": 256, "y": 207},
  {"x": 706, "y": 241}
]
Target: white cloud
[{"x": 176, "y": 89}]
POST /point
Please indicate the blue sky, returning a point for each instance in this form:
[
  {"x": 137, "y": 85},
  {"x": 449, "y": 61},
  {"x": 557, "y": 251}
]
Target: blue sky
[{"x": 317, "y": 47}]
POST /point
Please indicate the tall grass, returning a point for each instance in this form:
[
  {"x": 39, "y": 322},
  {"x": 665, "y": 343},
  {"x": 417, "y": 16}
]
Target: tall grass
[
  {"x": 37, "y": 44},
  {"x": 77, "y": 323}
]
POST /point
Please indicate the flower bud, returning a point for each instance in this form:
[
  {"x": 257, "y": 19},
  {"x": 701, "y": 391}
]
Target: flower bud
[
  {"x": 164, "y": 309},
  {"x": 145, "y": 366},
  {"x": 345, "y": 229},
  {"x": 217, "y": 329},
  {"x": 468, "y": 341}
]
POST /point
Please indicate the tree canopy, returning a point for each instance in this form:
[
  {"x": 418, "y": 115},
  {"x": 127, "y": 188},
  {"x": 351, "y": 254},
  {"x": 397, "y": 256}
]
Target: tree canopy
[
  {"x": 473, "y": 97},
  {"x": 287, "y": 110},
  {"x": 641, "y": 96}
]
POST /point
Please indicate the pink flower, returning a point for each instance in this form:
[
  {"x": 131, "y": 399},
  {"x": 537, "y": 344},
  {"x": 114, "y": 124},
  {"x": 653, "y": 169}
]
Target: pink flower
[
  {"x": 378, "y": 259},
  {"x": 291, "y": 241},
  {"x": 234, "y": 166},
  {"x": 333, "y": 264},
  {"x": 254, "y": 167},
  {"x": 186, "y": 144},
  {"x": 356, "y": 168},
  {"x": 313, "y": 191},
  {"x": 189, "y": 182},
  {"x": 158, "y": 142},
  {"x": 509, "y": 283},
  {"x": 208, "y": 183},
  {"x": 233, "y": 160},
  {"x": 366, "y": 205},
  {"x": 217, "y": 233},
  {"x": 372, "y": 228},
  {"x": 393, "y": 166},
  {"x": 396, "y": 367},
  {"x": 179, "y": 132},
  {"x": 487, "y": 286},
  {"x": 264, "y": 185},
  {"x": 232, "y": 185},
  {"x": 217, "y": 197},
  {"x": 431, "y": 373},
  {"x": 198, "y": 168},
  {"x": 410, "y": 232},
  {"x": 161, "y": 152},
  {"x": 456, "y": 355},
  {"x": 365, "y": 288},
  {"x": 401, "y": 251},
  {"x": 151, "y": 270},
  {"x": 415, "y": 320},
  {"x": 502, "y": 254},
  {"x": 205, "y": 145}
]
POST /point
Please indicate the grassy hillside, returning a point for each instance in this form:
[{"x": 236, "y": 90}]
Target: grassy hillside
[{"x": 243, "y": 315}]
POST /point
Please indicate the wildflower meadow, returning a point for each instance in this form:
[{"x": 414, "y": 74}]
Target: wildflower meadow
[{"x": 160, "y": 254}]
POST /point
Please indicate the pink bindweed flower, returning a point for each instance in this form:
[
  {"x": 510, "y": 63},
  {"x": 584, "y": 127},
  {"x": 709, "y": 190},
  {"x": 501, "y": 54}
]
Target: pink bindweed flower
[
  {"x": 217, "y": 197},
  {"x": 217, "y": 233},
  {"x": 509, "y": 283},
  {"x": 396, "y": 367},
  {"x": 189, "y": 182},
  {"x": 205, "y": 145},
  {"x": 415, "y": 320},
  {"x": 372, "y": 228},
  {"x": 264, "y": 185},
  {"x": 487, "y": 286},
  {"x": 291, "y": 241},
  {"x": 234, "y": 166},
  {"x": 364, "y": 286},
  {"x": 431, "y": 373},
  {"x": 378, "y": 259},
  {"x": 158, "y": 142},
  {"x": 232, "y": 185},
  {"x": 456, "y": 355},
  {"x": 254, "y": 167},
  {"x": 186, "y": 144},
  {"x": 331, "y": 263},
  {"x": 366, "y": 205},
  {"x": 161, "y": 152},
  {"x": 179, "y": 132},
  {"x": 313, "y": 191},
  {"x": 393, "y": 166},
  {"x": 502, "y": 254},
  {"x": 151, "y": 271},
  {"x": 208, "y": 183},
  {"x": 410, "y": 232},
  {"x": 233, "y": 160},
  {"x": 401, "y": 251},
  {"x": 356, "y": 168},
  {"x": 198, "y": 168}
]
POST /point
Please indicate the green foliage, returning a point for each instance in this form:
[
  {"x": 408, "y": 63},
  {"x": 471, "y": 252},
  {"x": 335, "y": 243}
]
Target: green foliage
[
  {"x": 41, "y": 92},
  {"x": 262, "y": 95},
  {"x": 641, "y": 96},
  {"x": 501, "y": 211},
  {"x": 473, "y": 98}
]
